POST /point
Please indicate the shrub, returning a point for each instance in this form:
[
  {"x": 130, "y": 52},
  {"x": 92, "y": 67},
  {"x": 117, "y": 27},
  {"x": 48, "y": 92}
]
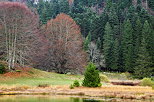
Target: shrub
[
  {"x": 104, "y": 78},
  {"x": 43, "y": 85},
  {"x": 91, "y": 76},
  {"x": 2, "y": 69},
  {"x": 76, "y": 83},
  {"x": 100, "y": 84},
  {"x": 18, "y": 70},
  {"x": 152, "y": 87},
  {"x": 71, "y": 86},
  {"x": 31, "y": 72},
  {"x": 152, "y": 78},
  {"x": 146, "y": 82}
]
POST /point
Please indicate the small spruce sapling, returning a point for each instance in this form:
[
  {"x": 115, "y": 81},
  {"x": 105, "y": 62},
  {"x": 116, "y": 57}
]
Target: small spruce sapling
[{"x": 92, "y": 78}]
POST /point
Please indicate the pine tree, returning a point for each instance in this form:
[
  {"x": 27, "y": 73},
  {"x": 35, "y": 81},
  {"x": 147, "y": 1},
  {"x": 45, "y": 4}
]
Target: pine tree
[
  {"x": 64, "y": 6},
  {"x": 115, "y": 55},
  {"x": 127, "y": 46},
  {"x": 137, "y": 37},
  {"x": 148, "y": 34},
  {"x": 107, "y": 45},
  {"x": 86, "y": 42},
  {"x": 143, "y": 67}
]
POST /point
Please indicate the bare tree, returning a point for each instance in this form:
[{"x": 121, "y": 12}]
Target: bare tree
[
  {"x": 64, "y": 51},
  {"x": 19, "y": 28}
]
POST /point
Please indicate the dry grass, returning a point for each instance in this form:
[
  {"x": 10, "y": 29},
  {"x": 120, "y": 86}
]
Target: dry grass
[
  {"x": 110, "y": 91},
  {"x": 14, "y": 87}
]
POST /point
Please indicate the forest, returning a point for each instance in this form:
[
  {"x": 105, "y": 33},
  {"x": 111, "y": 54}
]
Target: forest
[
  {"x": 76, "y": 50},
  {"x": 64, "y": 35}
]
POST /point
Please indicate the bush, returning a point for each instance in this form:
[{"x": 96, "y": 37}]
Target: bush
[
  {"x": 104, "y": 78},
  {"x": 43, "y": 85},
  {"x": 71, "y": 86},
  {"x": 18, "y": 70},
  {"x": 146, "y": 82},
  {"x": 2, "y": 69},
  {"x": 152, "y": 87},
  {"x": 91, "y": 76},
  {"x": 152, "y": 78},
  {"x": 76, "y": 83},
  {"x": 100, "y": 84}
]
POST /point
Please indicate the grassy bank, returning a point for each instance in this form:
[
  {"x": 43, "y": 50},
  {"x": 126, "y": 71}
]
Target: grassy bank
[
  {"x": 27, "y": 81},
  {"x": 35, "y": 77}
]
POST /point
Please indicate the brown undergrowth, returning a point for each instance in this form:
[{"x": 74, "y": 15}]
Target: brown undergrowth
[{"x": 110, "y": 91}]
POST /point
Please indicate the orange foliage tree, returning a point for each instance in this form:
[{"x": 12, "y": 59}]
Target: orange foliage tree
[{"x": 64, "y": 52}]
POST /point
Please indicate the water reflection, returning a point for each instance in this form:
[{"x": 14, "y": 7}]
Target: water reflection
[
  {"x": 84, "y": 100},
  {"x": 90, "y": 100},
  {"x": 52, "y": 98},
  {"x": 44, "y": 99}
]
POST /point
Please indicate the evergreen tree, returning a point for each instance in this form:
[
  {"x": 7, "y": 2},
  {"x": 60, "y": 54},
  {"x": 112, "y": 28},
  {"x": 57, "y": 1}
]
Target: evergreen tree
[
  {"x": 43, "y": 16},
  {"x": 112, "y": 16},
  {"x": 98, "y": 27},
  {"x": 91, "y": 75},
  {"x": 87, "y": 42},
  {"x": 127, "y": 46},
  {"x": 143, "y": 67},
  {"x": 148, "y": 34},
  {"x": 137, "y": 37},
  {"x": 64, "y": 6},
  {"x": 132, "y": 15},
  {"x": 115, "y": 54},
  {"x": 151, "y": 4},
  {"x": 138, "y": 2},
  {"x": 107, "y": 45}
]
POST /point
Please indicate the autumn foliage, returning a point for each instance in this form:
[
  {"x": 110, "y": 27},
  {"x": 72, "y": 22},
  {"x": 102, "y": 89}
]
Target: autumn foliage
[
  {"x": 57, "y": 46},
  {"x": 18, "y": 32},
  {"x": 63, "y": 52}
]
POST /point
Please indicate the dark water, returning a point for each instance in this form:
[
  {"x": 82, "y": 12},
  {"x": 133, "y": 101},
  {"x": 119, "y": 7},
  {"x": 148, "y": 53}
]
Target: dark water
[{"x": 52, "y": 98}]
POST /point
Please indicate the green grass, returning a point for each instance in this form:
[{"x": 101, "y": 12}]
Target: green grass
[
  {"x": 38, "y": 77},
  {"x": 41, "y": 77},
  {"x": 118, "y": 76}
]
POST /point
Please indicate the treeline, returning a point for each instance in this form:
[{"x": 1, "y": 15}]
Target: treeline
[{"x": 122, "y": 30}]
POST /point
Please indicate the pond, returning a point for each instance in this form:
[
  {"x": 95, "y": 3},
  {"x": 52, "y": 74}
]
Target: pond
[{"x": 52, "y": 98}]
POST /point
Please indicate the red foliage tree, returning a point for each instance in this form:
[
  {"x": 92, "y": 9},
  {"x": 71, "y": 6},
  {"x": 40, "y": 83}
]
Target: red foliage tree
[
  {"x": 18, "y": 32},
  {"x": 64, "y": 52}
]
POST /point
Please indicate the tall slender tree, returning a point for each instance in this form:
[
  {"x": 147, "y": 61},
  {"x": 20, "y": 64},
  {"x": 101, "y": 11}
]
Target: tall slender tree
[
  {"x": 148, "y": 34},
  {"x": 107, "y": 45},
  {"x": 143, "y": 67},
  {"x": 127, "y": 46}
]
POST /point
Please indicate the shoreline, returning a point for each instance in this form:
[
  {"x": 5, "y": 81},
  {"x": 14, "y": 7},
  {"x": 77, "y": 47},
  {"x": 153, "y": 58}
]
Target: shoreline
[{"x": 111, "y": 91}]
